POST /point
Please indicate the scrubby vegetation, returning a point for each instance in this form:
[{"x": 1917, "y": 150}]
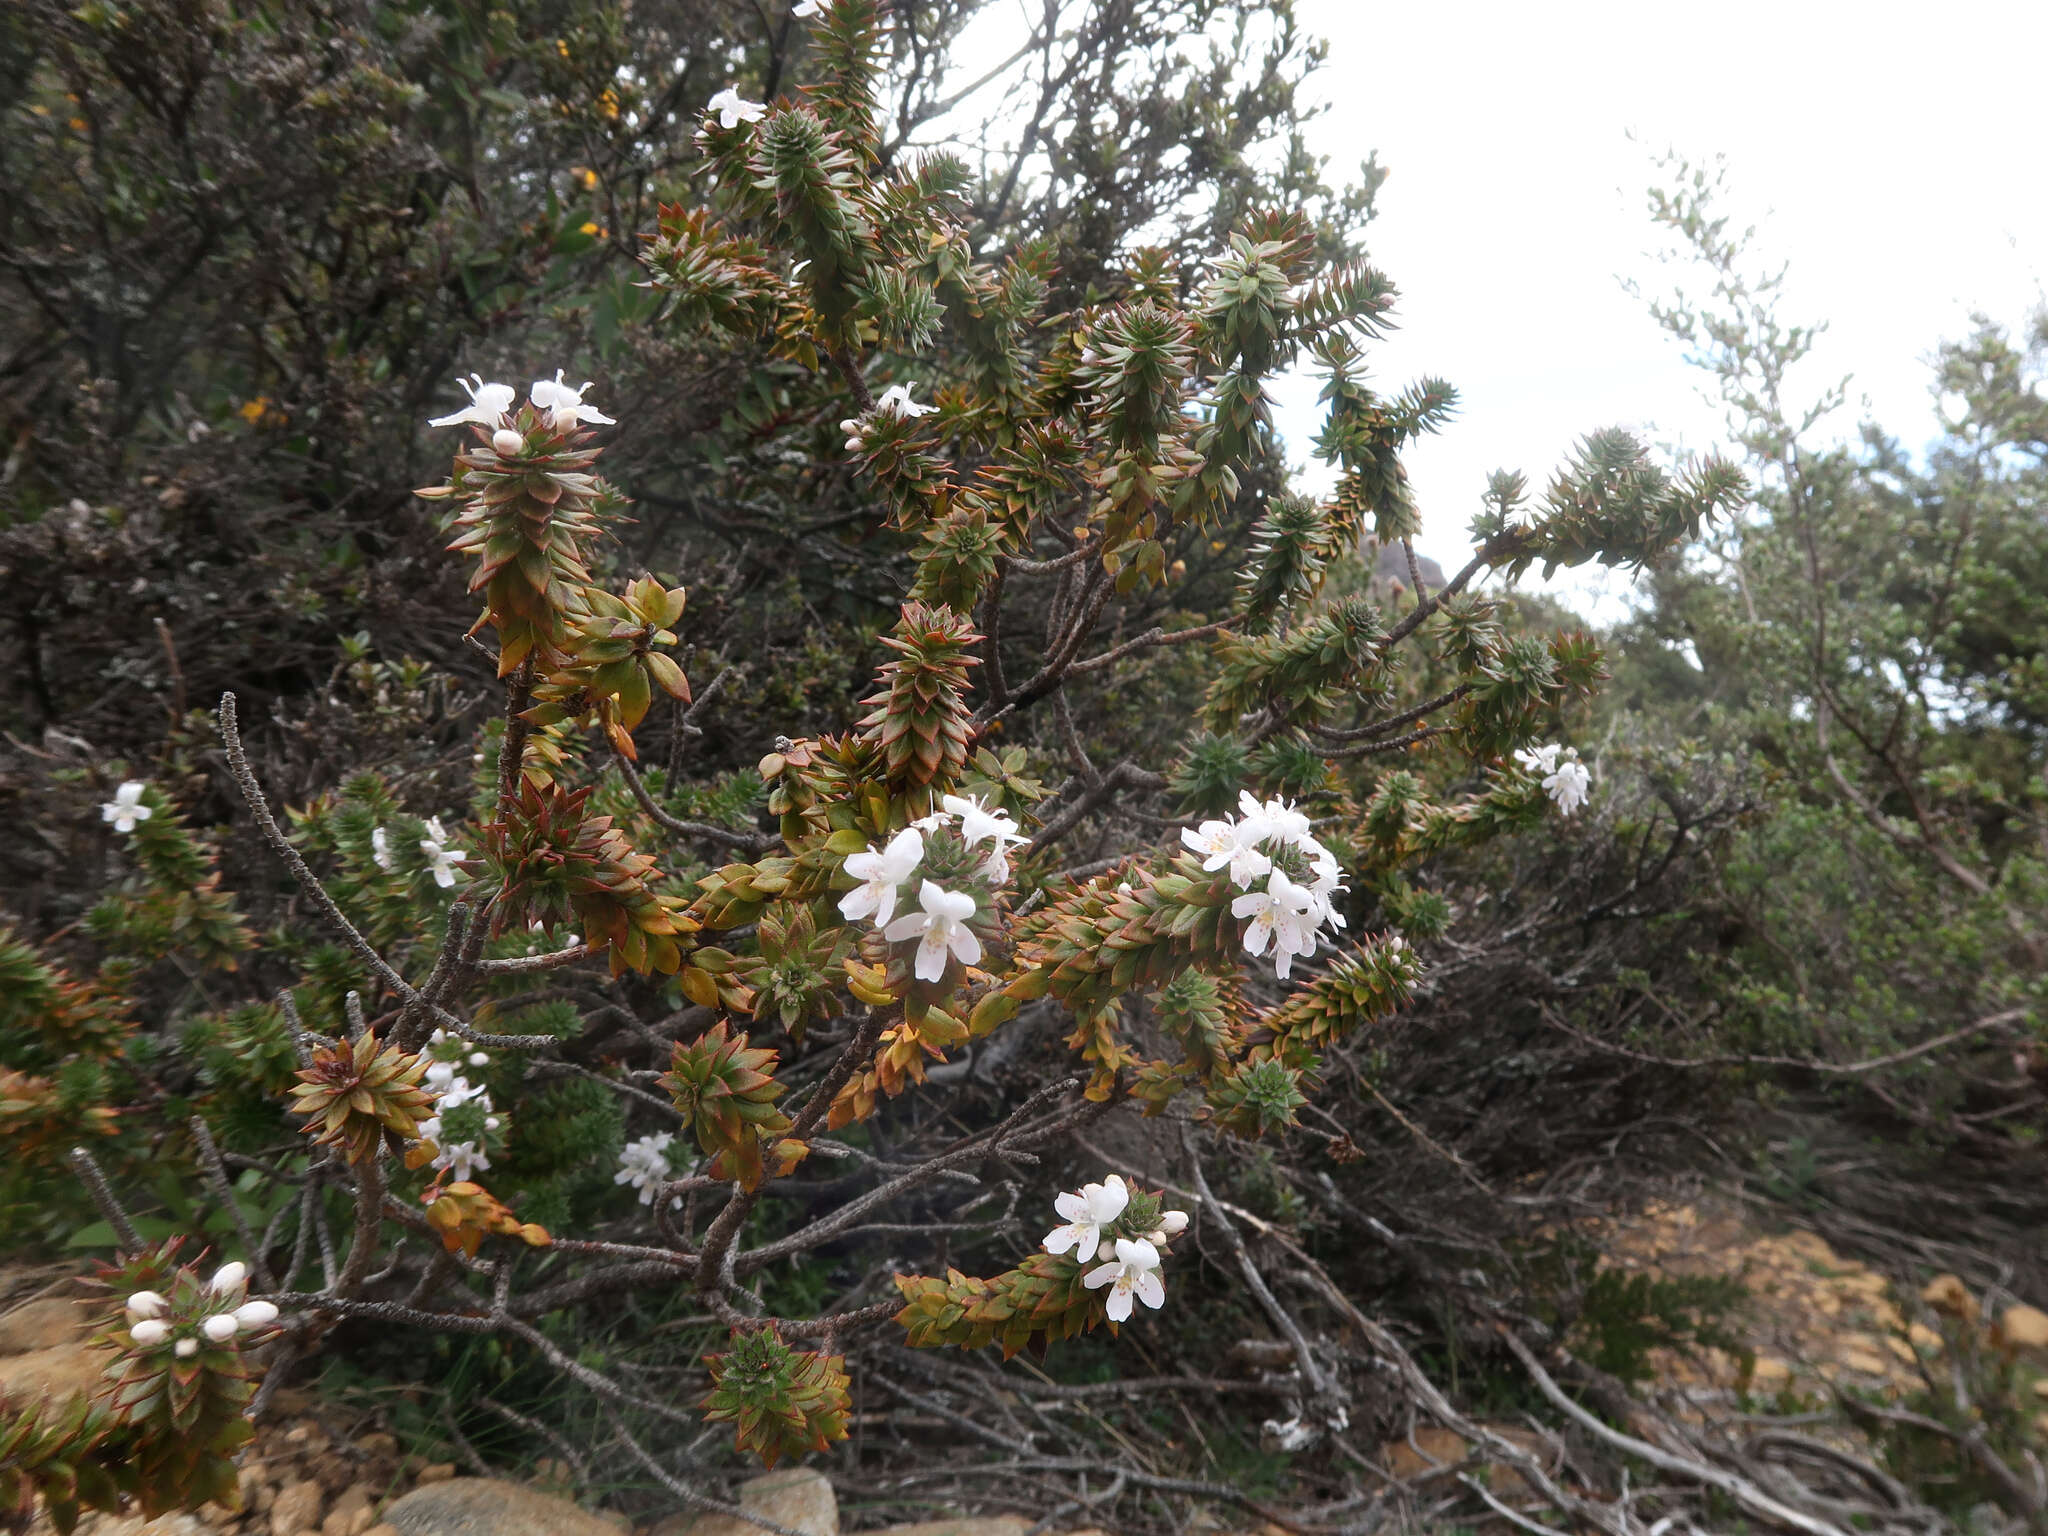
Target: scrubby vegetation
[{"x": 882, "y": 834}]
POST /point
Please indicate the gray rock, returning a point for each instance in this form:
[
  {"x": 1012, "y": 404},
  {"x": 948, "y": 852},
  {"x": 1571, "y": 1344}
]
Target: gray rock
[
  {"x": 489, "y": 1506},
  {"x": 797, "y": 1497},
  {"x": 41, "y": 1325}
]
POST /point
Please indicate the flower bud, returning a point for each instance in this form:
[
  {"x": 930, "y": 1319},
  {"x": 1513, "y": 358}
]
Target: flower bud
[
  {"x": 1105, "y": 1250},
  {"x": 1173, "y": 1223},
  {"x": 228, "y": 1277},
  {"x": 150, "y": 1332},
  {"x": 186, "y": 1349},
  {"x": 507, "y": 443},
  {"x": 479, "y": 1058},
  {"x": 251, "y": 1315},
  {"x": 145, "y": 1304},
  {"x": 1156, "y": 1237},
  {"x": 220, "y": 1327}
]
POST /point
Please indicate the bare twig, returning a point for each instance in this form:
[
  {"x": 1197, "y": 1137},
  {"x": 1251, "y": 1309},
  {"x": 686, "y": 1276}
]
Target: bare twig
[{"x": 103, "y": 1196}]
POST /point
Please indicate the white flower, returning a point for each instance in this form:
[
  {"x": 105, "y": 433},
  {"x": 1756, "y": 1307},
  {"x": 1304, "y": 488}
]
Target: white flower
[
  {"x": 896, "y": 402},
  {"x": 644, "y": 1165},
  {"x": 507, "y": 444},
  {"x": 1283, "y": 915},
  {"x": 145, "y": 1304},
  {"x": 806, "y": 9},
  {"x": 1328, "y": 884},
  {"x": 126, "y": 808},
  {"x": 380, "y": 850},
  {"x": 185, "y": 1349},
  {"x": 460, "y": 1091},
  {"x": 563, "y": 405},
  {"x": 149, "y": 1332},
  {"x": 1286, "y": 823},
  {"x": 487, "y": 406},
  {"x": 462, "y": 1158},
  {"x": 1222, "y": 842},
  {"x": 733, "y": 108},
  {"x": 441, "y": 859},
  {"x": 1570, "y": 785},
  {"x": 1540, "y": 760},
  {"x": 939, "y": 928},
  {"x": 229, "y": 1277},
  {"x": 980, "y": 824},
  {"x": 220, "y": 1327},
  {"x": 880, "y": 874},
  {"x": 251, "y": 1315},
  {"x": 1136, "y": 1270},
  {"x": 1256, "y": 826},
  {"x": 1088, "y": 1210}
]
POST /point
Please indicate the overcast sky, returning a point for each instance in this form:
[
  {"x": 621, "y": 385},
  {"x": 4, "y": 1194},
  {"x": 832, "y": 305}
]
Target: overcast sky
[{"x": 1892, "y": 154}]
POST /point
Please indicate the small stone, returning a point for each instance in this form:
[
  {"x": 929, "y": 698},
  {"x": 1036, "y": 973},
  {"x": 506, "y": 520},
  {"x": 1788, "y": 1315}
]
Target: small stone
[
  {"x": 297, "y": 1507},
  {"x": 1864, "y": 1361},
  {"x": 383, "y": 1528},
  {"x": 2041, "y": 1388},
  {"x": 1770, "y": 1374},
  {"x": 1925, "y": 1338},
  {"x": 435, "y": 1472},
  {"x": 1434, "y": 1450},
  {"x": 331, "y": 1471},
  {"x": 2021, "y": 1328},
  {"x": 490, "y": 1506},
  {"x": 377, "y": 1443},
  {"x": 354, "y": 1511},
  {"x": 1951, "y": 1298}
]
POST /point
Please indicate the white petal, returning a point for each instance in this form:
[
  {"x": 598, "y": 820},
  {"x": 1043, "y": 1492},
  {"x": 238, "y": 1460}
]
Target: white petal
[
  {"x": 1100, "y": 1276},
  {"x": 908, "y": 926},
  {"x": 931, "y": 957},
  {"x": 1119, "y": 1305},
  {"x": 1149, "y": 1289},
  {"x": 966, "y": 946},
  {"x": 1114, "y": 1195}
]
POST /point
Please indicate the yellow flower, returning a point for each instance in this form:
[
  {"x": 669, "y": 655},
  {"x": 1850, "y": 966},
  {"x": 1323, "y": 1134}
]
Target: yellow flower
[
  {"x": 561, "y": 47},
  {"x": 590, "y": 229},
  {"x": 254, "y": 411},
  {"x": 608, "y": 102},
  {"x": 589, "y": 177}
]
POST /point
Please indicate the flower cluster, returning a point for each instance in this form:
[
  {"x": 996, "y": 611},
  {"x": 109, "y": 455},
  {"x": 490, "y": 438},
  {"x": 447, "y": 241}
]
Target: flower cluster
[
  {"x": 126, "y": 808},
  {"x": 458, "y": 1147},
  {"x": 644, "y": 1165},
  {"x": 1565, "y": 778},
  {"x": 151, "y": 1326},
  {"x": 895, "y": 401},
  {"x": 1096, "y": 1218},
  {"x": 1271, "y": 841},
  {"x": 940, "y": 924},
  {"x": 558, "y": 404},
  {"x": 443, "y": 860}
]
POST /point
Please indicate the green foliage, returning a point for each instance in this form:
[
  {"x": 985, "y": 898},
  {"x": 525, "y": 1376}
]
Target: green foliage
[{"x": 780, "y": 1401}]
